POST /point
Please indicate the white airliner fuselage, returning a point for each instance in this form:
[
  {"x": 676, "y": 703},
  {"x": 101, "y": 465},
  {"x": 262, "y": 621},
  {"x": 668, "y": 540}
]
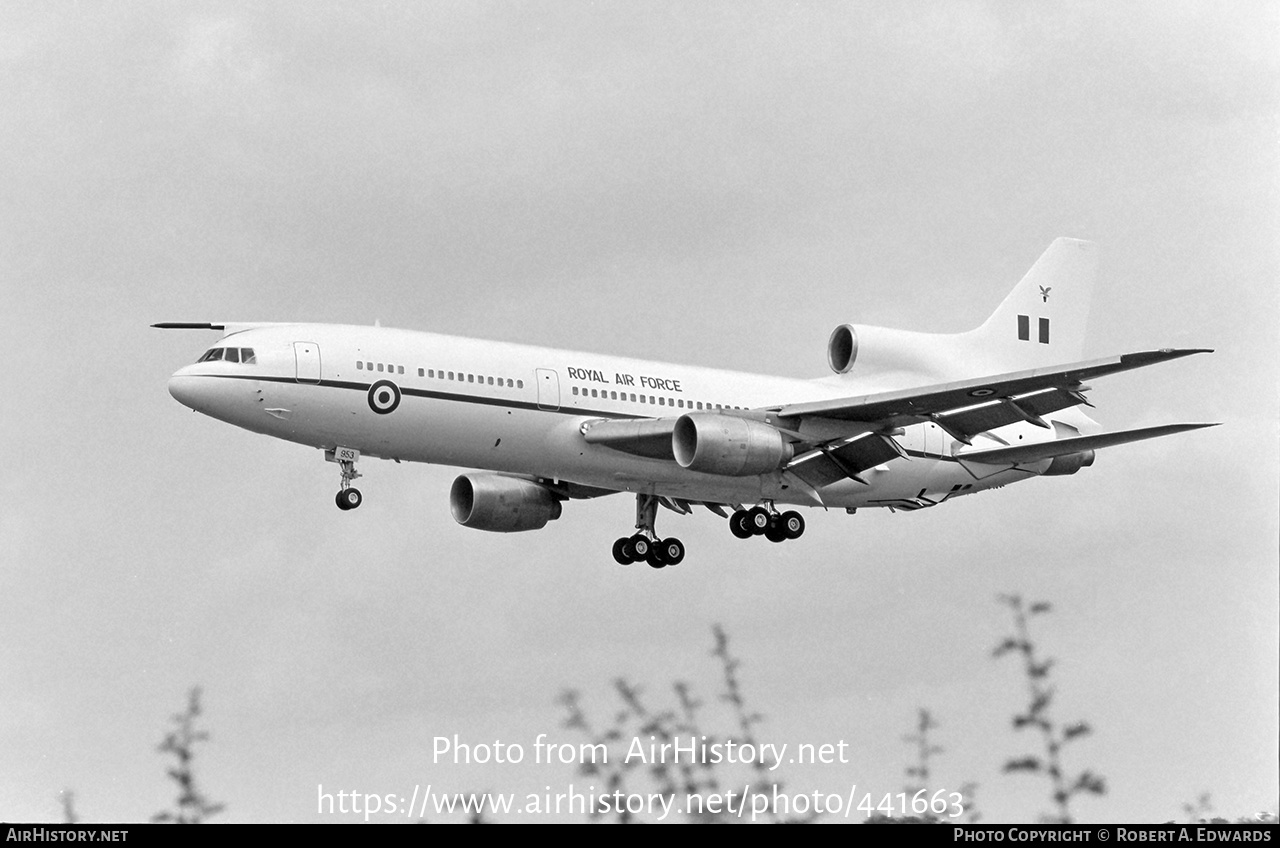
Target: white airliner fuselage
[
  {"x": 534, "y": 426},
  {"x": 919, "y": 420}
]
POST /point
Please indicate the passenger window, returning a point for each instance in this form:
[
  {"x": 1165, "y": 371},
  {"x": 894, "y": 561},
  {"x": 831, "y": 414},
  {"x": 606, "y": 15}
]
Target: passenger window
[
  {"x": 359, "y": 366},
  {"x": 421, "y": 373},
  {"x": 471, "y": 378},
  {"x": 633, "y": 398},
  {"x": 450, "y": 375},
  {"x": 613, "y": 395},
  {"x": 519, "y": 384},
  {"x": 680, "y": 403},
  {"x": 575, "y": 390},
  {"x": 593, "y": 392},
  {"x": 491, "y": 381},
  {"x": 379, "y": 366},
  {"x": 368, "y": 366},
  {"x": 662, "y": 401},
  {"x": 509, "y": 383},
  {"x": 399, "y": 369}
]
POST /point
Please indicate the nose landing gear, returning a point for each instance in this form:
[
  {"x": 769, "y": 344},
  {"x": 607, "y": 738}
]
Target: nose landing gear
[
  {"x": 645, "y": 546},
  {"x": 348, "y": 496}
]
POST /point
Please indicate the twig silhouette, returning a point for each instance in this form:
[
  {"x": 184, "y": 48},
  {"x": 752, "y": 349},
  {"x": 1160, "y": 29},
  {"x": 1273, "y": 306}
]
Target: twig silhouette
[{"x": 1037, "y": 715}]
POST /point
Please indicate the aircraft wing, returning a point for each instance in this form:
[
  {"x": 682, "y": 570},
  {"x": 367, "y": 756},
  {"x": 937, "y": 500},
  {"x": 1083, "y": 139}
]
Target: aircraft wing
[{"x": 968, "y": 407}]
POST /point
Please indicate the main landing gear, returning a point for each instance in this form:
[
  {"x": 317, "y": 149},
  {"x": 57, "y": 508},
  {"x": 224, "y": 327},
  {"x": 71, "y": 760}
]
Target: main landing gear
[
  {"x": 645, "y": 546},
  {"x": 766, "y": 521},
  {"x": 348, "y": 496}
]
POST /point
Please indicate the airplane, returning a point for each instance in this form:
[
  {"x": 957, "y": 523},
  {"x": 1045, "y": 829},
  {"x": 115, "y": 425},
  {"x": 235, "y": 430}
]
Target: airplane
[{"x": 905, "y": 421}]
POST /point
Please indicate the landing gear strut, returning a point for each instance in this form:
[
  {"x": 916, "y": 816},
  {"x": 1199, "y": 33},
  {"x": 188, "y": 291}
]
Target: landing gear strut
[
  {"x": 766, "y": 521},
  {"x": 645, "y": 546},
  {"x": 348, "y": 496}
]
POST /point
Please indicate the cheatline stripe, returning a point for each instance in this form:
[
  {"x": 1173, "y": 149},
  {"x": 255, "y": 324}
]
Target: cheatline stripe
[{"x": 426, "y": 393}]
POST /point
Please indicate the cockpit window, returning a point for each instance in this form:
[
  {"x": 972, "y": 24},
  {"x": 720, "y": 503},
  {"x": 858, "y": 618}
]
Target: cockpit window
[{"x": 243, "y": 355}]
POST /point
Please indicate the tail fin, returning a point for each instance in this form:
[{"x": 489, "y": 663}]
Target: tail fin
[{"x": 1042, "y": 321}]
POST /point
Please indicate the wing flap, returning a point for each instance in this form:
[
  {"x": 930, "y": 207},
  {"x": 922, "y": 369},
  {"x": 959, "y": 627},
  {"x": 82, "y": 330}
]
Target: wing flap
[
  {"x": 829, "y": 464},
  {"x": 1076, "y": 444}
]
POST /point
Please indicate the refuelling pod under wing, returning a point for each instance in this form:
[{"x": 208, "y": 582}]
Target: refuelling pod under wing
[
  {"x": 728, "y": 445},
  {"x": 1068, "y": 464},
  {"x": 501, "y": 504}
]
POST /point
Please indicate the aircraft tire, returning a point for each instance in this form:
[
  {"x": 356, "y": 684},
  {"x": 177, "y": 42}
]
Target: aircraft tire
[
  {"x": 738, "y": 525},
  {"x": 672, "y": 550},
  {"x": 655, "y": 557},
  {"x": 758, "y": 519},
  {"x": 349, "y": 499},
  {"x": 776, "y": 532},
  {"x": 793, "y": 523},
  {"x": 639, "y": 546},
  {"x": 621, "y": 551}
]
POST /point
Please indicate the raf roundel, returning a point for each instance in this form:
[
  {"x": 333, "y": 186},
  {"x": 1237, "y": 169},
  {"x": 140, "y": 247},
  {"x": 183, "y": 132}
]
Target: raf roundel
[{"x": 384, "y": 397}]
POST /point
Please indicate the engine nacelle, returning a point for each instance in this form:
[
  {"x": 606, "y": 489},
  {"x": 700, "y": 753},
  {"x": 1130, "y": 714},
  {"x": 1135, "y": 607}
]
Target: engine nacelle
[
  {"x": 903, "y": 359},
  {"x": 842, "y": 348},
  {"x": 725, "y": 444},
  {"x": 1068, "y": 464},
  {"x": 501, "y": 504}
]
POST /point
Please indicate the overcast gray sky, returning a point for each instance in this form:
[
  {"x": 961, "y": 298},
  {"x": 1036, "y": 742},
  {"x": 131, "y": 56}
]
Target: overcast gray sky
[{"x": 713, "y": 183}]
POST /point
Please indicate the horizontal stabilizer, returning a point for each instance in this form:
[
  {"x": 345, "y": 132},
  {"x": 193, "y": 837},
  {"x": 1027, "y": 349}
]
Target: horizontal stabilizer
[{"x": 1076, "y": 444}]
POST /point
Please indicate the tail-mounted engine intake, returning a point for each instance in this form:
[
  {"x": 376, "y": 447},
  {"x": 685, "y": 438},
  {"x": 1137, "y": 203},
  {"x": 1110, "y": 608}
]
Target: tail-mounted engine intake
[
  {"x": 724, "y": 444},
  {"x": 842, "y": 348},
  {"x": 501, "y": 504}
]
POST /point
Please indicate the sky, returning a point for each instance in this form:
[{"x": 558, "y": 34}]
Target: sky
[{"x": 713, "y": 183}]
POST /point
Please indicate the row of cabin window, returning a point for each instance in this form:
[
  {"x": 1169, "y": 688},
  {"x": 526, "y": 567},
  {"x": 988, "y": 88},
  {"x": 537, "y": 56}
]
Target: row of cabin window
[
  {"x": 660, "y": 401},
  {"x": 390, "y": 369},
  {"x": 433, "y": 374},
  {"x": 243, "y": 355}
]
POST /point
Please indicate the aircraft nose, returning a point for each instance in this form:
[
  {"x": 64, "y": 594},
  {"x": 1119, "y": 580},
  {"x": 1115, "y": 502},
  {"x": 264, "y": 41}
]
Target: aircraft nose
[{"x": 183, "y": 387}]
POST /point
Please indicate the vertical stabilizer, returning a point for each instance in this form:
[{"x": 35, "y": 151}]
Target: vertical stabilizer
[{"x": 1042, "y": 321}]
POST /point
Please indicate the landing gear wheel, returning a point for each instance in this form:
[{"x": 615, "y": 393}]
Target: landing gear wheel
[
  {"x": 622, "y": 551},
  {"x": 655, "y": 557},
  {"x": 349, "y": 499},
  {"x": 758, "y": 519},
  {"x": 738, "y": 525},
  {"x": 793, "y": 523},
  {"x": 672, "y": 550},
  {"x": 777, "y": 532},
  {"x": 639, "y": 547}
]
